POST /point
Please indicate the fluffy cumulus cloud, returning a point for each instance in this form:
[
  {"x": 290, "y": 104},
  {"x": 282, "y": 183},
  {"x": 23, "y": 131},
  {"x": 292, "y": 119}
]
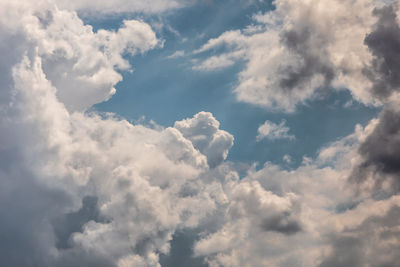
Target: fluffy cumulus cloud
[
  {"x": 80, "y": 63},
  {"x": 78, "y": 188},
  {"x": 84, "y": 189},
  {"x": 303, "y": 48},
  {"x": 203, "y": 131}
]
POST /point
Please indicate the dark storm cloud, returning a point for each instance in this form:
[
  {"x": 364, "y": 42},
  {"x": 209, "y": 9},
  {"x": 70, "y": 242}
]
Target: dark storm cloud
[
  {"x": 380, "y": 152},
  {"x": 384, "y": 44},
  {"x": 375, "y": 242}
]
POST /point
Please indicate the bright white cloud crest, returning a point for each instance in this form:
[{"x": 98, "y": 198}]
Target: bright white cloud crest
[{"x": 86, "y": 189}]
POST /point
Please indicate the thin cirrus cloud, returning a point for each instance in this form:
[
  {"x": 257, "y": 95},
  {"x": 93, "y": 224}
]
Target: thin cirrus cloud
[{"x": 79, "y": 188}]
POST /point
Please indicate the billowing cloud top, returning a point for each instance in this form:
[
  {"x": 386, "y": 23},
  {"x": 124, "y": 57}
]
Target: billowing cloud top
[{"x": 79, "y": 188}]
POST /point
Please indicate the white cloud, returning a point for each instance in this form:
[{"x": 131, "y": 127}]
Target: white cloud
[
  {"x": 202, "y": 130},
  {"x": 80, "y": 63},
  {"x": 272, "y": 131}
]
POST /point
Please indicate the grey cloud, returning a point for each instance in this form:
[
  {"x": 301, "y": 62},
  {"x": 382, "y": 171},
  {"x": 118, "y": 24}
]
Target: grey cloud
[
  {"x": 45, "y": 18},
  {"x": 181, "y": 254},
  {"x": 26, "y": 208},
  {"x": 253, "y": 219},
  {"x": 10, "y": 57},
  {"x": 384, "y": 43},
  {"x": 311, "y": 52},
  {"x": 380, "y": 152},
  {"x": 375, "y": 242},
  {"x": 272, "y": 212},
  {"x": 283, "y": 223},
  {"x": 347, "y": 252},
  {"x": 73, "y": 222}
]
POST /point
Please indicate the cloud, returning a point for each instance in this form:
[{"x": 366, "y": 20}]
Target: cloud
[
  {"x": 176, "y": 54},
  {"x": 74, "y": 57},
  {"x": 373, "y": 241},
  {"x": 234, "y": 41},
  {"x": 287, "y": 159},
  {"x": 202, "y": 130},
  {"x": 253, "y": 217},
  {"x": 272, "y": 131},
  {"x": 79, "y": 188},
  {"x": 120, "y": 6},
  {"x": 378, "y": 164},
  {"x": 82, "y": 65},
  {"x": 214, "y": 63},
  {"x": 383, "y": 42},
  {"x": 130, "y": 180},
  {"x": 301, "y": 50},
  {"x": 82, "y": 188},
  {"x": 329, "y": 223}
]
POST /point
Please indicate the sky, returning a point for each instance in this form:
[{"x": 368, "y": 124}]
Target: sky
[
  {"x": 158, "y": 76},
  {"x": 200, "y": 133}
]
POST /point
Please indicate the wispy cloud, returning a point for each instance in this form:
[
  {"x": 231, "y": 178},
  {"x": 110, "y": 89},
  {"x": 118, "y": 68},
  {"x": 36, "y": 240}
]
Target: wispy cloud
[
  {"x": 272, "y": 131},
  {"x": 176, "y": 54}
]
